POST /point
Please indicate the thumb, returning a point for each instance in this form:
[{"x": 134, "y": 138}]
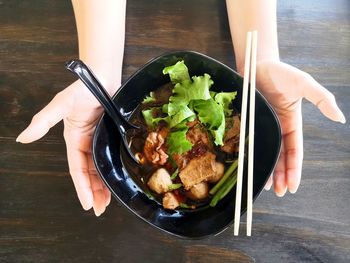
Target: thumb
[
  {"x": 323, "y": 99},
  {"x": 48, "y": 117}
]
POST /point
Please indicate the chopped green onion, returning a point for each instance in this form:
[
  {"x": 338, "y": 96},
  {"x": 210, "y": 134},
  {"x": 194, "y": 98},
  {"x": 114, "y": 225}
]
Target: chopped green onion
[
  {"x": 227, "y": 174},
  {"x": 183, "y": 205},
  {"x": 224, "y": 190},
  {"x": 174, "y": 187},
  {"x": 174, "y": 175}
]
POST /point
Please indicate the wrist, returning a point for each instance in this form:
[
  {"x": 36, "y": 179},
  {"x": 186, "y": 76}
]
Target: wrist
[
  {"x": 271, "y": 55},
  {"x": 108, "y": 74}
]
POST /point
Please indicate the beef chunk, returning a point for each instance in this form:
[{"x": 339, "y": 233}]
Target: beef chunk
[
  {"x": 197, "y": 134},
  {"x": 199, "y": 137},
  {"x": 231, "y": 137},
  {"x": 199, "y": 169}
]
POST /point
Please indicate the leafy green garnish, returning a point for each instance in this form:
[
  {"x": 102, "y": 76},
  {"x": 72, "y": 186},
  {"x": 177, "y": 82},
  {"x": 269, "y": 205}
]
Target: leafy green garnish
[
  {"x": 151, "y": 121},
  {"x": 191, "y": 98},
  {"x": 225, "y": 99},
  {"x": 188, "y": 90},
  {"x": 178, "y": 72},
  {"x": 149, "y": 98},
  {"x": 177, "y": 142},
  {"x": 211, "y": 114},
  {"x": 165, "y": 108},
  {"x": 183, "y": 113}
]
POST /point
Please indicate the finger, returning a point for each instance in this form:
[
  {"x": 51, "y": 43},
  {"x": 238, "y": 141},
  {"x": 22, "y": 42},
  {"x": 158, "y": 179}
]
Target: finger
[
  {"x": 269, "y": 183},
  {"x": 279, "y": 181},
  {"x": 107, "y": 195},
  {"x": 77, "y": 161},
  {"x": 293, "y": 143},
  {"x": 98, "y": 192},
  {"x": 323, "y": 99},
  {"x": 48, "y": 117},
  {"x": 97, "y": 189},
  {"x": 78, "y": 168}
]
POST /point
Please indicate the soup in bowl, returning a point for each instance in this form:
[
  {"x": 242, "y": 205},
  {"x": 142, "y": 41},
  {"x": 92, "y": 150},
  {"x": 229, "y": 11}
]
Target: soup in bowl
[{"x": 189, "y": 107}]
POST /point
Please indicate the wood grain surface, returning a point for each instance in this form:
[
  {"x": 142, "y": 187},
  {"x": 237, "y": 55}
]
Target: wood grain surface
[{"x": 41, "y": 219}]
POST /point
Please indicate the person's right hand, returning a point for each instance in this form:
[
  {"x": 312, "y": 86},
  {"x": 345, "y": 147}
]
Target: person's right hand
[
  {"x": 284, "y": 86},
  {"x": 80, "y": 112}
]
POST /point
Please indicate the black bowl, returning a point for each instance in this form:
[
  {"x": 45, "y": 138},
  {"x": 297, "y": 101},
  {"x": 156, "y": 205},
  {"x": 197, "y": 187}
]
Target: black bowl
[{"x": 118, "y": 171}]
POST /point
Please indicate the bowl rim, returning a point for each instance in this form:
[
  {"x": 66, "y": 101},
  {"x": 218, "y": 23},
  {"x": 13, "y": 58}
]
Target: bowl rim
[{"x": 127, "y": 114}]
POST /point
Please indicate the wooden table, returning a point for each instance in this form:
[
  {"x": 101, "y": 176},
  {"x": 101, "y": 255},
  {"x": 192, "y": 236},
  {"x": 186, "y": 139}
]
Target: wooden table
[{"x": 41, "y": 219}]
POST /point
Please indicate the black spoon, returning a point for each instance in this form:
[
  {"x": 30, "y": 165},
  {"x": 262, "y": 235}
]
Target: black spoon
[{"x": 88, "y": 78}]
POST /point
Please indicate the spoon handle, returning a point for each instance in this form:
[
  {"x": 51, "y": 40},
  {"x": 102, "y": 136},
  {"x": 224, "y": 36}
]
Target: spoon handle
[
  {"x": 88, "y": 78},
  {"x": 78, "y": 68}
]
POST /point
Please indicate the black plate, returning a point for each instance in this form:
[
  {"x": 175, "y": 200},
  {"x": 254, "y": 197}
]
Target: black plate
[{"x": 116, "y": 169}]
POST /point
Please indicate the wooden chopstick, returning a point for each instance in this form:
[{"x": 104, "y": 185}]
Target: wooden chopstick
[
  {"x": 249, "y": 70},
  {"x": 242, "y": 134},
  {"x": 251, "y": 134}
]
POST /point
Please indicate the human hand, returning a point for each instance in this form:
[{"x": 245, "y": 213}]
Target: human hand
[
  {"x": 285, "y": 86},
  {"x": 80, "y": 112}
]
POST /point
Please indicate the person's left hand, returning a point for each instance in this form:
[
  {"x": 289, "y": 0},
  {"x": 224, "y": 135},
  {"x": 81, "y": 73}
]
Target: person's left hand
[
  {"x": 285, "y": 86},
  {"x": 80, "y": 112}
]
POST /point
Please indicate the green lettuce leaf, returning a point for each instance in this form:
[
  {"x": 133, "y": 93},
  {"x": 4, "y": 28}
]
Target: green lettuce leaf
[
  {"x": 191, "y": 98},
  {"x": 225, "y": 99},
  {"x": 178, "y": 72},
  {"x": 165, "y": 108},
  {"x": 177, "y": 142},
  {"x": 184, "y": 92},
  {"x": 183, "y": 113},
  {"x": 152, "y": 121},
  {"x": 211, "y": 114},
  {"x": 149, "y": 98}
]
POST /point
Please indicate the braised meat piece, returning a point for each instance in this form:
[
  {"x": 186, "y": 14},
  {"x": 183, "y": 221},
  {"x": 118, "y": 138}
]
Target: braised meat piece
[
  {"x": 182, "y": 160},
  {"x": 231, "y": 137},
  {"x": 199, "y": 138},
  {"x": 197, "y": 134},
  {"x": 154, "y": 148},
  {"x": 199, "y": 169}
]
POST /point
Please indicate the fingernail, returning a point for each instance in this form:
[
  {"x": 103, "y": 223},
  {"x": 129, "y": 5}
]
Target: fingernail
[
  {"x": 341, "y": 117},
  {"x": 86, "y": 206},
  {"x": 108, "y": 201},
  {"x": 98, "y": 213},
  {"x": 282, "y": 193},
  {"x": 20, "y": 138},
  {"x": 267, "y": 187},
  {"x": 292, "y": 191}
]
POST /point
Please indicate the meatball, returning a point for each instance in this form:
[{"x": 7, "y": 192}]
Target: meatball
[
  {"x": 170, "y": 201},
  {"x": 199, "y": 191},
  {"x": 219, "y": 172},
  {"x": 160, "y": 181}
]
